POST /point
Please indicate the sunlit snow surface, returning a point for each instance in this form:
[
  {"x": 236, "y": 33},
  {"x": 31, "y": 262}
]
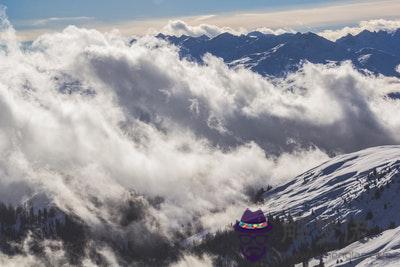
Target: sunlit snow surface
[
  {"x": 327, "y": 187},
  {"x": 381, "y": 250},
  {"x": 336, "y": 190}
]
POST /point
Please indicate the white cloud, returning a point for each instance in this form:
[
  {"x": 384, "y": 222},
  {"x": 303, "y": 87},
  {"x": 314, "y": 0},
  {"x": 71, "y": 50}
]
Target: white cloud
[
  {"x": 299, "y": 19},
  {"x": 48, "y": 135},
  {"x": 64, "y": 20},
  {"x": 370, "y": 25},
  {"x": 179, "y": 27},
  {"x": 192, "y": 261},
  {"x": 53, "y": 254}
]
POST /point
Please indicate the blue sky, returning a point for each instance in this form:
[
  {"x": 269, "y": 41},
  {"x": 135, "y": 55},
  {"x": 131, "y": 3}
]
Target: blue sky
[
  {"x": 34, "y": 17},
  {"x": 106, "y": 10}
]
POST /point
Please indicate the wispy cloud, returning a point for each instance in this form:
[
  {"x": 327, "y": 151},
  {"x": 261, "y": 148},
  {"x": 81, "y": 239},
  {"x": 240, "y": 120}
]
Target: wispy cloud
[
  {"x": 52, "y": 20},
  {"x": 312, "y": 19},
  {"x": 344, "y": 13}
]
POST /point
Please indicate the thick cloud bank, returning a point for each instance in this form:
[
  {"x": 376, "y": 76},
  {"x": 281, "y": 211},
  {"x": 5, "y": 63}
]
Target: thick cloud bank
[
  {"x": 91, "y": 121},
  {"x": 179, "y": 27}
]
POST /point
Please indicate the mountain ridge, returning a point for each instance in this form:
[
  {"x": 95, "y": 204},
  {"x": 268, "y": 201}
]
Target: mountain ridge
[{"x": 295, "y": 49}]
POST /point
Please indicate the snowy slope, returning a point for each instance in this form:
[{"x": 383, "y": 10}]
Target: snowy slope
[
  {"x": 363, "y": 186},
  {"x": 381, "y": 250},
  {"x": 333, "y": 185}
]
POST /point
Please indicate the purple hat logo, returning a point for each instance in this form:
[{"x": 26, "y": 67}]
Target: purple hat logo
[{"x": 252, "y": 229}]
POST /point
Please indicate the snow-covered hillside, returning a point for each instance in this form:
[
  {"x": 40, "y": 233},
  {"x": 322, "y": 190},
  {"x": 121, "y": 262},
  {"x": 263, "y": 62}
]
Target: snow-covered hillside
[
  {"x": 361, "y": 187},
  {"x": 381, "y": 250},
  {"x": 338, "y": 182}
]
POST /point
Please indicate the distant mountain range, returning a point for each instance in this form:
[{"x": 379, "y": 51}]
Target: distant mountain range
[{"x": 276, "y": 55}]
